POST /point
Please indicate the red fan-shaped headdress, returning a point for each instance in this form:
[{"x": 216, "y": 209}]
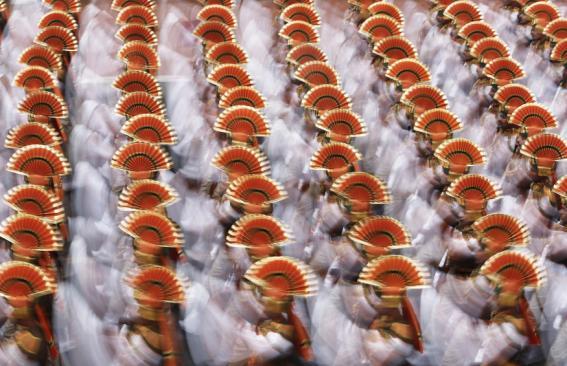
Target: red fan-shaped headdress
[
  {"x": 378, "y": 235},
  {"x": 218, "y": 13},
  {"x": 437, "y": 125},
  {"x": 213, "y": 32},
  {"x": 22, "y": 283},
  {"x": 421, "y": 98},
  {"x": 513, "y": 271},
  {"x": 499, "y": 231},
  {"x": 58, "y": 18},
  {"x": 226, "y": 53},
  {"x": 227, "y": 3},
  {"x": 556, "y": 30},
  {"x": 242, "y": 96},
  {"x": 69, "y": 6},
  {"x": 559, "y": 52},
  {"x": 360, "y": 190},
  {"x": 388, "y": 9},
  {"x": 299, "y": 32},
  {"x": 137, "y": 14},
  {"x": 43, "y": 57},
  {"x": 32, "y": 134},
  {"x": 38, "y": 161},
  {"x": 532, "y": 118},
  {"x": 155, "y": 286},
  {"x": 136, "y": 32},
  {"x": 300, "y": 12},
  {"x": 560, "y": 188},
  {"x": 139, "y": 55},
  {"x": 282, "y": 277},
  {"x": 458, "y": 155},
  {"x": 394, "y": 48},
  {"x": 121, "y": 4},
  {"x": 335, "y": 158},
  {"x": 136, "y": 103},
  {"x": 341, "y": 125},
  {"x": 229, "y": 76},
  {"x": 544, "y": 150},
  {"x": 146, "y": 194},
  {"x": 324, "y": 98},
  {"x": 152, "y": 230},
  {"x": 33, "y": 78},
  {"x": 141, "y": 159},
  {"x": 150, "y": 128},
  {"x": 43, "y": 104},
  {"x": 315, "y": 73},
  {"x": 57, "y": 38},
  {"x": 408, "y": 72},
  {"x": 243, "y": 124},
  {"x": 255, "y": 193},
  {"x": 237, "y": 161},
  {"x": 30, "y": 235},
  {"x": 472, "y": 192},
  {"x": 279, "y": 279},
  {"x": 260, "y": 234},
  {"x": 504, "y": 70},
  {"x": 488, "y": 49},
  {"x": 303, "y": 53},
  {"x": 541, "y": 13},
  {"x": 462, "y": 12},
  {"x": 36, "y": 201},
  {"x": 472, "y": 32},
  {"x": 378, "y": 27},
  {"x": 512, "y": 96},
  {"x": 392, "y": 275},
  {"x": 137, "y": 81}
]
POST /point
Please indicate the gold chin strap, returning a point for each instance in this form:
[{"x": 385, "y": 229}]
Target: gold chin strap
[
  {"x": 390, "y": 329},
  {"x": 284, "y": 330},
  {"x": 152, "y": 338},
  {"x": 402, "y": 331}
]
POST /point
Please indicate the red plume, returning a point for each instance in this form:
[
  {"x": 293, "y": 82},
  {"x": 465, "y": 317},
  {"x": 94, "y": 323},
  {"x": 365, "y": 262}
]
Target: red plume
[
  {"x": 44, "y": 325},
  {"x": 167, "y": 346},
  {"x": 411, "y": 317},
  {"x": 531, "y": 325},
  {"x": 301, "y": 340}
]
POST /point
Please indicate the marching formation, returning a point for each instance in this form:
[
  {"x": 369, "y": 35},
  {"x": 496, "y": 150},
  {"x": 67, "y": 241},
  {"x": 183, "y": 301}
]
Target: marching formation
[
  {"x": 286, "y": 182},
  {"x": 383, "y": 274},
  {"x": 249, "y": 199},
  {"x": 37, "y": 230},
  {"x": 157, "y": 240}
]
